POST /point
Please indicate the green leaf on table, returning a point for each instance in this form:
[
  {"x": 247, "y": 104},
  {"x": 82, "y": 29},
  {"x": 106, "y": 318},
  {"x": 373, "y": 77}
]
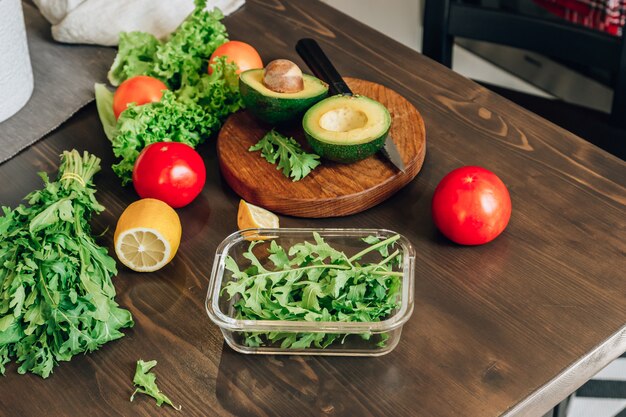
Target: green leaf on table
[{"x": 145, "y": 381}]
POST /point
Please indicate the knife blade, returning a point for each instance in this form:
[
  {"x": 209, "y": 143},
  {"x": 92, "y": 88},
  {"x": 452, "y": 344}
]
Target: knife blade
[{"x": 315, "y": 58}]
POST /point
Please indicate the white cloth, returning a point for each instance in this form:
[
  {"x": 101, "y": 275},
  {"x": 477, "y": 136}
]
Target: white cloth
[{"x": 100, "y": 21}]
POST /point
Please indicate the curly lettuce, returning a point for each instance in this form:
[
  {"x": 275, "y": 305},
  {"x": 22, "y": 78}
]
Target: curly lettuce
[
  {"x": 189, "y": 115},
  {"x": 180, "y": 59},
  {"x": 136, "y": 55},
  {"x": 195, "y": 106}
]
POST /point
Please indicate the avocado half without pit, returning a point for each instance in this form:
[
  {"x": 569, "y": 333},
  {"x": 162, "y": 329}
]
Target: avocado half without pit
[
  {"x": 346, "y": 128},
  {"x": 280, "y": 91}
]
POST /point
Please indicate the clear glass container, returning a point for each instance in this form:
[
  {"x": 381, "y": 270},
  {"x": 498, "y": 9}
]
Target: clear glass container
[{"x": 373, "y": 338}]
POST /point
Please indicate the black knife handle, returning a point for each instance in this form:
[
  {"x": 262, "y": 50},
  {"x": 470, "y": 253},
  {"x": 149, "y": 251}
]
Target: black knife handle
[{"x": 312, "y": 54}]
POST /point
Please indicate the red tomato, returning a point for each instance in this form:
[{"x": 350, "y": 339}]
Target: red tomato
[
  {"x": 471, "y": 206},
  {"x": 140, "y": 90},
  {"x": 169, "y": 171},
  {"x": 242, "y": 54}
]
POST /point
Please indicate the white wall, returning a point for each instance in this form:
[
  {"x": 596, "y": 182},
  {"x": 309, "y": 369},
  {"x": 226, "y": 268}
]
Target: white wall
[{"x": 398, "y": 19}]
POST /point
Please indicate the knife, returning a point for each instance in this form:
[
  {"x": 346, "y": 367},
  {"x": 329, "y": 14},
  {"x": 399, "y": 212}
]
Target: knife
[{"x": 312, "y": 54}]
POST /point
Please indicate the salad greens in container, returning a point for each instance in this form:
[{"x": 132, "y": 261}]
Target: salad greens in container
[{"x": 312, "y": 292}]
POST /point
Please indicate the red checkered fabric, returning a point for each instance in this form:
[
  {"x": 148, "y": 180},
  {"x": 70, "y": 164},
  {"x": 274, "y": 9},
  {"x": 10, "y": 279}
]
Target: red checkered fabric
[{"x": 605, "y": 15}]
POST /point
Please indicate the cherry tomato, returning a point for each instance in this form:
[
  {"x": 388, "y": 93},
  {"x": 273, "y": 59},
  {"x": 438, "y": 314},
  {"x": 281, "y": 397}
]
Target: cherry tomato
[
  {"x": 241, "y": 53},
  {"x": 169, "y": 171},
  {"x": 471, "y": 206},
  {"x": 140, "y": 90}
]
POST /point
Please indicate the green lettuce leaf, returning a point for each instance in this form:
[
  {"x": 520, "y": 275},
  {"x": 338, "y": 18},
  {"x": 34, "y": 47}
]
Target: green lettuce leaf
[
  {"x": 197, "y": 102},
  {"x": 180, "y": 59},
  {"x": 190, "y": 116},
  {"x": 104, "y": 104},
  {"x": 136, "y": 55}
]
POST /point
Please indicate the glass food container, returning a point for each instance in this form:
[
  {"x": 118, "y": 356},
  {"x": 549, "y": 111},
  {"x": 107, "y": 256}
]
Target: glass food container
[{"x": 372, "y": 338}]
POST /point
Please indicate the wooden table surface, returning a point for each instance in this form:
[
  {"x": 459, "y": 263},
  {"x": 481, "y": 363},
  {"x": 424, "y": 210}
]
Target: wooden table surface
[{"x": 509, "y": 328}]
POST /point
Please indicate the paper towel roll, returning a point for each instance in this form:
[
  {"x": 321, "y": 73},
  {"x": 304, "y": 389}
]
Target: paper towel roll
[{"x": 16, "y": 73}]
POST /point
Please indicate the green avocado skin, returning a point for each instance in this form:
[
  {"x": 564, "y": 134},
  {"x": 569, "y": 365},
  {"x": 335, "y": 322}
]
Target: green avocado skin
[
  {"x": 274, "y": 110},
  {"x": 345, "y": 153}
]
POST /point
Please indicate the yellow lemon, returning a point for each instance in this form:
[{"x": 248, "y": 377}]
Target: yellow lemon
[
  {"x": 250, "y": 216},
  {"x": 147, "y": 235}
]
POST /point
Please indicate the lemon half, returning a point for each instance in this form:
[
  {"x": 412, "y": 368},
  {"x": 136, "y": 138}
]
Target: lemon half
[{"x": 147, "y": 235}]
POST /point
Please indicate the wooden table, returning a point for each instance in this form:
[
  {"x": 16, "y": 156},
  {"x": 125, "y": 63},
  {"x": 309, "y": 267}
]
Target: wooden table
[{"x": 509, "y": 328}]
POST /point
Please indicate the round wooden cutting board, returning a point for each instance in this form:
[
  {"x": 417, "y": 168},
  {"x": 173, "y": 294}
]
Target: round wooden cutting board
[{"x": 332, "y": 189}]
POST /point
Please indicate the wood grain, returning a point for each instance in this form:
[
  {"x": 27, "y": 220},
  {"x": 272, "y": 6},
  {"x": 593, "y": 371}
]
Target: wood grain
[
  {"x": 505, "y": 329},
  {"x": 332, "y": 189}
]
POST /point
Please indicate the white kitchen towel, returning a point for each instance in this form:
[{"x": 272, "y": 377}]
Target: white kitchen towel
[{"x": 99, "y": 22}]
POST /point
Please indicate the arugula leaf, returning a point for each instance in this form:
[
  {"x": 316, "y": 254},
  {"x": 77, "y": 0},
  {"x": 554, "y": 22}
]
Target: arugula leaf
[
  {"x": 339, "y": 281},
  {"x": 287, "y": 154},
  {"x": 56, "y": 295},
  {"x": 313, "y": 281},
  {"x": 312, "y": 291},
  {"x": 278, "y": 256},
  {"x": 145, "y": 381}
]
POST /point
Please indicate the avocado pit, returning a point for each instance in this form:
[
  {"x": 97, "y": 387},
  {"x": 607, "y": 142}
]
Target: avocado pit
[{"x": 283, "y": 76}]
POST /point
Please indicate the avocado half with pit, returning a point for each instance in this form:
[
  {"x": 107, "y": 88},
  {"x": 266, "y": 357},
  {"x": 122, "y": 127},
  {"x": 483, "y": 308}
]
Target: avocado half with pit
[
  {"x": 346, "y": 128},
  {"x": 276, "y": 107}
]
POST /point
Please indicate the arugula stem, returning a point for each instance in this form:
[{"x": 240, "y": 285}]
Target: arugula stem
[
  {"x": 388, "y": 273},
  {"x": 374, "y": 247},
  {"x": 281, "y": 142},
  {"x": 287, "y": 271},
  {"x": 389, "y": 258},
  {"x": 45, "y": 287}
]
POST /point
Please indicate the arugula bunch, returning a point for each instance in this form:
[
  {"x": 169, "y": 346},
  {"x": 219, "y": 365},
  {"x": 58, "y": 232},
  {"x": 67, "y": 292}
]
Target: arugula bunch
[
  {"x": 315, "y": 282},
  {"x": 195, "y": 106},
  {"x": 145, "y": 381},
  {"x": 56, "y": 294},
  {"x": 291, "y": 159}
]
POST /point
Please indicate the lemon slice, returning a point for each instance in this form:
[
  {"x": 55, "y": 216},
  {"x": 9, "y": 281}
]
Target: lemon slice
[
  {"x": 250, "y": 216},
  {"x": 147, "y": 235}
]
